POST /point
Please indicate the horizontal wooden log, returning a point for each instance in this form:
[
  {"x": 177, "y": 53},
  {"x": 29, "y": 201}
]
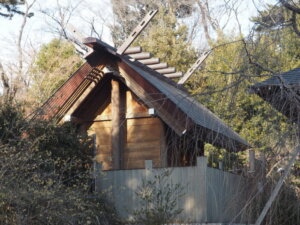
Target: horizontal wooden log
[
  {"x": 174, "y": 75},
  {"x": 133, "y": 50},
  {"x": 149, "y": 61},
  {"x": 158, "y": 66},
  {"x": 142, "y": 55},
  {"x": 167, "y": 70}
]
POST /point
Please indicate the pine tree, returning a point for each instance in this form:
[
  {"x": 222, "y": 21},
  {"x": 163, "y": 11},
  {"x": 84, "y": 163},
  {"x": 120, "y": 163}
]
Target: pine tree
[{"x": 55, "y": 62}]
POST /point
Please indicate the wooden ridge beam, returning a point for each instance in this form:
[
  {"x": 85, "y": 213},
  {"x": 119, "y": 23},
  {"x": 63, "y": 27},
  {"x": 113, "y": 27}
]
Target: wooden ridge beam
[
  {"x": 149, "y": 61},
  {"x": 167, "y": 70},
  {"x": 142, "y": 55},
  {"x": 133, "y": 50},
  {"x": 174, "y": 75},
  {"x": 136, "y": 31},
  {"x": 158, "y": 66}
]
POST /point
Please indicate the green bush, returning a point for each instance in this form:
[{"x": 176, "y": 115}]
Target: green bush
[{"x": 45, "y": 174}]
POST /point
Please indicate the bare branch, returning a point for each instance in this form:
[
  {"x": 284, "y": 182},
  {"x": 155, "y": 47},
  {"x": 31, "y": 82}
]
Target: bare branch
[
  {"x": 294, "y": 24},
  {"x": 5, "y": 81},
  {"x": 19, "y": 42},
  {"x": 289, "y": 6}
]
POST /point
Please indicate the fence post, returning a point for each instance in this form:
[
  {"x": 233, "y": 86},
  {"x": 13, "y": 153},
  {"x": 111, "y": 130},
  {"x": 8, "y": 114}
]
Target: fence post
[
  {"x": 97, "y": 172},
  {"x": 202, "y": 195},
  {"x": 251, "y": 161},
  {"x": 148, "y": 168},
  {"x": 220, "y": 165},
  {"x": 202, "y": 161}
]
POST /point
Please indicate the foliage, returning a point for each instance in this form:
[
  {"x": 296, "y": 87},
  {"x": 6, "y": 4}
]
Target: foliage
[
  {"x": 55, "y": 62},
  {"x": 159, "y": 198},
  {"x": 128, "y": 14},
  {"x": 286, "y": 208},
  {"x": 278, "y": 17},
  {"x": 12, "y": 123},
  {"x": 226, "y": 80},
  {"x": 45, "y": 173},
  {"x": 11, "y": 7},
  {"x": 275, "y": 33},
  {"x": 167, "y": 39}
]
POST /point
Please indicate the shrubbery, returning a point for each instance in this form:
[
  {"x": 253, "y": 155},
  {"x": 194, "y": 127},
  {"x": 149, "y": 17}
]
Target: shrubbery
[{"x": 45, "y": 173}]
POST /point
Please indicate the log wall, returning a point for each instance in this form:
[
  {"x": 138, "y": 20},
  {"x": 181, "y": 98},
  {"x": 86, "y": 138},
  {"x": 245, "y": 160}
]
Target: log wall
[{"x": 143, "y": 135}]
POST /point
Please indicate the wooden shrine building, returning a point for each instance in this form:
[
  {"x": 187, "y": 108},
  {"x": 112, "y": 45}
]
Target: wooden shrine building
[
  {"x": 136, "y": 112},
  {"x": 282, "y": 91}
]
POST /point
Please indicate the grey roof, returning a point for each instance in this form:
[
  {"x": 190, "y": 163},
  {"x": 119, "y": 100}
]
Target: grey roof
[
  {"x": 291, "y": 77},
  {"x": 281, "y": 92},
  {"x": 189, "y": 105},
  {"x": 198, "y": 113}
]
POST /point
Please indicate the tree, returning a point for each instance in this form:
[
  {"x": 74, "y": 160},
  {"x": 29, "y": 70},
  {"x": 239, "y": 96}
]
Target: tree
[
  {"x": 274, "y": 29},
  {"x": 128, "y": 14},
  {"x": 235, "y": 64},
  {"x": 11, "y": 7},
  {"x": 45, "y": 173},
  {"x": 225, "y": 80},
  {"x": 167, "y": 39},
  {"x": 294, "y": 8},
  {"x": 54, "y": 63},
  {"x": 18, "y": 77}
]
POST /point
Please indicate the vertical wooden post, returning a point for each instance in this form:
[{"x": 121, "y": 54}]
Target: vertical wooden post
[
  {"x": 116, "y": 124},
  {"x": 163, "y": 148},
  {"x": 220, "y": 165},
  {"x": 251, "y": 161}
]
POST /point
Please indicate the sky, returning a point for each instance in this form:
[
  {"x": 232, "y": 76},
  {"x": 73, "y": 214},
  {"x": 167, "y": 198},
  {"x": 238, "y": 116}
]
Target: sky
[
  {"x": 88, "y": 9},
  {"x": 39, "y": 28}
]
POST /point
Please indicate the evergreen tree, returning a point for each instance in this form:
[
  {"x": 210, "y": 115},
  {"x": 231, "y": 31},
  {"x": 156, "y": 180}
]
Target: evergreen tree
[
  {"x": 55, "y": 62},
  {"x": 166, "y": 39},
  {"x": 129, "y": 13},
  {"x": 10, "y": 7},
  {"x": 224, "y": 88}
]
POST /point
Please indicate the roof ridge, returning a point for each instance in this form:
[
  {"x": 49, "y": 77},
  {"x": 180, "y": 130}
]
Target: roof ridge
[{"x": 90, "y": 40}]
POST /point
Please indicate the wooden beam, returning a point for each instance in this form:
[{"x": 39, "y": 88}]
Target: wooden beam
[
  {"x": 96, "y": 74},
  {"x": 81, "y": 98},
  {"x": 136, "y": 31},
  {"x": 149, "y": 61},
  {"x": 194, "y": 67},
  {"x": 163, "y": 148},
  {"x": 53, "y": 105},
  {"x": 116, "y": 124},
  {"x": 133, "y": 50},
  {"x": 158, "y": 66},
  {"x": 167, "y": 70},
  {"x": 153, "y": 98},
  {"x": 142, "y": 55},
  {"x": 174, "y": 75}
]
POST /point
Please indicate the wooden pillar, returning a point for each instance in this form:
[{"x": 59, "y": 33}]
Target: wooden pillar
[
  {"x": 200, "y": 148},
  {"x": 117, "y": 121}
]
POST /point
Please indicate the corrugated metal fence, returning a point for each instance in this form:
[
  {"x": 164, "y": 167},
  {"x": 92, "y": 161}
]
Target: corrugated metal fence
[{"x": 210, "y": 195}]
